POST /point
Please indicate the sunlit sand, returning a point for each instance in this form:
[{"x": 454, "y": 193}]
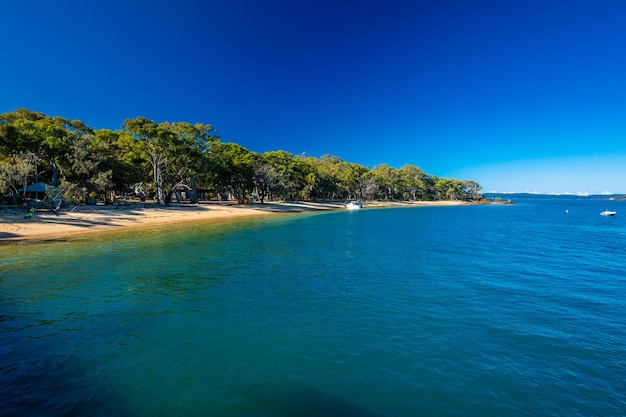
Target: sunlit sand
[{"x": 89, "y": 219}]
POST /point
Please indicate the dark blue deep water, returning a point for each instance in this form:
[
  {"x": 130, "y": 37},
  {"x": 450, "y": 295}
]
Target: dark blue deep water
[{"x": 439, "y": 311}]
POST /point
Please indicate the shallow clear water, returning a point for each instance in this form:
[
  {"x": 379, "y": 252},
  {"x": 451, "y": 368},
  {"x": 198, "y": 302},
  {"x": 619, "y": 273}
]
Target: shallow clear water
[{"x": 481, "y": 310}]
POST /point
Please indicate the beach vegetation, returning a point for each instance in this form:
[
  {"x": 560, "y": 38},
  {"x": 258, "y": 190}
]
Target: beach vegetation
[{"x": 184, "y": 161}]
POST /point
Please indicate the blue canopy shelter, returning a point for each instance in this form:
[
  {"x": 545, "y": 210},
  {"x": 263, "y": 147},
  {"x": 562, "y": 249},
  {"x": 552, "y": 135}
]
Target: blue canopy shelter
[
  {"x": 39, "y": 187},
  {"x": 52, "y": 195}
]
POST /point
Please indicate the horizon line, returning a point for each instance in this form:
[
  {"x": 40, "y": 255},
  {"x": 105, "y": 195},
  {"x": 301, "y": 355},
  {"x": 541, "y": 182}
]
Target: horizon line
[{"x": 578, "y": 194}]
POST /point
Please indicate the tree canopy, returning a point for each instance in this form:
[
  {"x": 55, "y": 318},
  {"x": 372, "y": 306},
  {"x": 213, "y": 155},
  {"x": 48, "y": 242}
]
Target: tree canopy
[{"x": 162, "y": 160}]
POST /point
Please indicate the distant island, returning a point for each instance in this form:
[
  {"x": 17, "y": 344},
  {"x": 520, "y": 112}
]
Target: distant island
[
  {"x": 184, "y": 161},
  {"x": 496, "y": 200},
  {"x": 513, "y": 196}
]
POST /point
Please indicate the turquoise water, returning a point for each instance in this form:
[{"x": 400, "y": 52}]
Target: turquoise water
[{"x": 474, "y": 311}]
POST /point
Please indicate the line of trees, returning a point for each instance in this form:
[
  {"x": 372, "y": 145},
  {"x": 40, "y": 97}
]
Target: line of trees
[{"x": 164, "y": 159}]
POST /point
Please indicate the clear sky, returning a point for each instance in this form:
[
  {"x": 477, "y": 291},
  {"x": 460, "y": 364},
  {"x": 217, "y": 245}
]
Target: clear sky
[{"x": 517, "y": 95}]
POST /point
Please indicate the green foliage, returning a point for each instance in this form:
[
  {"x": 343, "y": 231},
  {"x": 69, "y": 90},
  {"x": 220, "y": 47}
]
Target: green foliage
[
  {"x": 15, "y": 170},
  {"x": 176, "y": 152},
  {"x": 165, "y": 157},
  {"x": 230, "y": 168}
]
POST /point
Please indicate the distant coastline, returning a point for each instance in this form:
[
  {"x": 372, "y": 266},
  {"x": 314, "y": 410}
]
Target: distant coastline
[{"x": 513, "y": 196}]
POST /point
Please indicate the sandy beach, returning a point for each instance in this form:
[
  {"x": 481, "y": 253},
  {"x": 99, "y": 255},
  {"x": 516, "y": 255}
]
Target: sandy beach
[{"x": 91, "y": 219}]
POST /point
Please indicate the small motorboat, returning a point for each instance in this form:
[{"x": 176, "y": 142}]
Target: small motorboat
[
  {"x": 353, "y": 205},
  {"x": 608, "y": 213}
]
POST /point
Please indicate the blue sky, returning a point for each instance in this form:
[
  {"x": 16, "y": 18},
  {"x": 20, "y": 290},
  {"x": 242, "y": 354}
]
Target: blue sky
[{"x": 517, "y": 95}]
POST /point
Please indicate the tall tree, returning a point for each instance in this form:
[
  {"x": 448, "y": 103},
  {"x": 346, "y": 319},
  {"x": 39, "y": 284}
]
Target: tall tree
[
  {"x": 471, "y": 190},
  {"x": 449, "y": 188},
  {"x": 291, "y": 171},
  {"x": 231, "y": 168},
  {"x": 414, "y": 182},
  {"x": 49, "y": 138},
  {"x": 185, "y": 154},
  {"x": 388, "y": 180},
  {"x": 146, "y": 132},
  {"x": 15, "y": 170},
  {"x": 263, "y": 175},
  {"x": 124, "y": 157}
]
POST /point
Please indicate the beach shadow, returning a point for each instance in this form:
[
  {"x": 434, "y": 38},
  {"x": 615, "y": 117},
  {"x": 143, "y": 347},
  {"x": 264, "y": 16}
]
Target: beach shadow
[
  {"x": 29, "y": 384},
  {"x": 295, "y": 399}
]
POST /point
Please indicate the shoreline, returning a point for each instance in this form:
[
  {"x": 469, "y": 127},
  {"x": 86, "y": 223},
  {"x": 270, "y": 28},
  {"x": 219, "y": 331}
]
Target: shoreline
[{"x": 88, "y": 220}]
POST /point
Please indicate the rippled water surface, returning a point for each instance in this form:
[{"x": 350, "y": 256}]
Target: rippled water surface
[{"x": 478, "y": 311}]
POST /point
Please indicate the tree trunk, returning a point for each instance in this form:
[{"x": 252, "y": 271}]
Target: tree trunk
[
  {"x": 193, "y": 193},
  {"x": 55, "y": 173}
]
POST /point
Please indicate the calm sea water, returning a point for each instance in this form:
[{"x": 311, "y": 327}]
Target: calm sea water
[{"x": 468, "y": 311}]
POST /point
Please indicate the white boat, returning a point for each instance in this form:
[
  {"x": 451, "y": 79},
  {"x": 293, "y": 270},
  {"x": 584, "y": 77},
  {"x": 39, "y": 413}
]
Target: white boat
[
  {"x": 608, "y": 213},
  {"x": 353, "y": 205}
]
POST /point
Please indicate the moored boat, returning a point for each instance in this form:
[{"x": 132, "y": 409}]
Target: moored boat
[
  {"x": 353, "y": 205},
  {"x": 608, "y": 213}
]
